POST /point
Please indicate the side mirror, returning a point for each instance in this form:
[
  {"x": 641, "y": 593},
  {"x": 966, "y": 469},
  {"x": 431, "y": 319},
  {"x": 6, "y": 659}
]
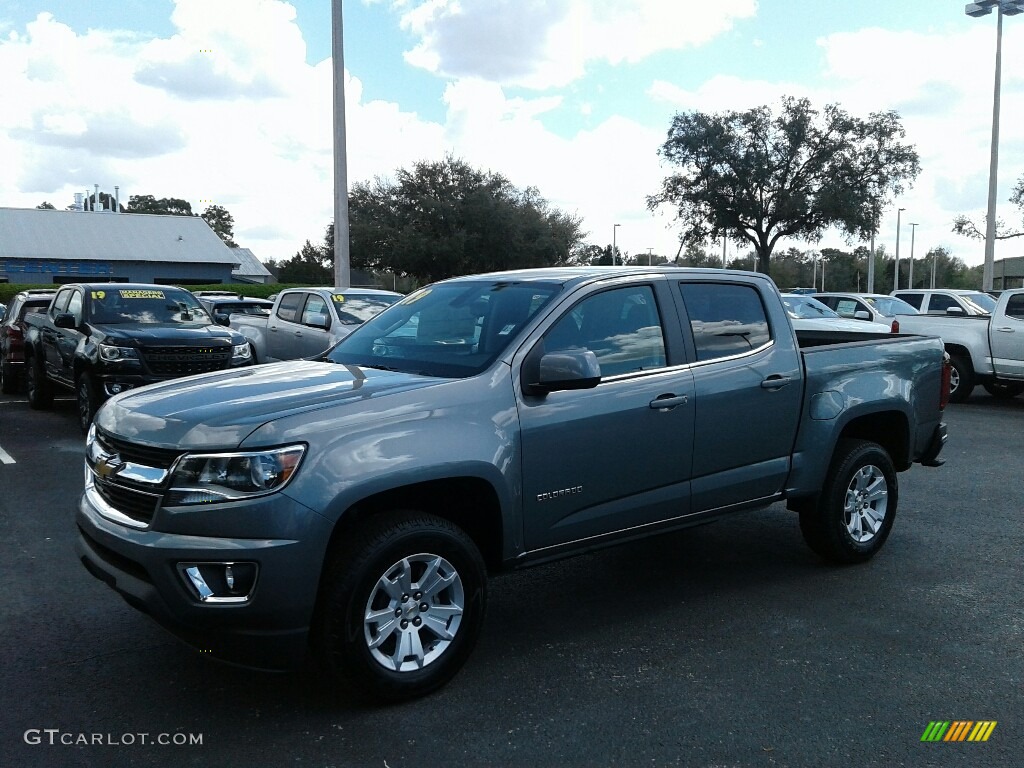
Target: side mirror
[
  {"x": 222, "y": 319},
  {"x": 861, "y": 314},
  {"x": 955, "y": 311},
  {"x": 65, "y": 320},
  {"x": 319, "y": 321},
  {"x": 562, "y": 370}
]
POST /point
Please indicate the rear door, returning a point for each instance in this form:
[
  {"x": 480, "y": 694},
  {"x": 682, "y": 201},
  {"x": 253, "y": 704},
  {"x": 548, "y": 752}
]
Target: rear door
[
  {"x": 1007, "y": 338},
  {"x": 283, "y": 325},
  {"x": 748, "y": 383},
  {"x": 616, "y": 456}
]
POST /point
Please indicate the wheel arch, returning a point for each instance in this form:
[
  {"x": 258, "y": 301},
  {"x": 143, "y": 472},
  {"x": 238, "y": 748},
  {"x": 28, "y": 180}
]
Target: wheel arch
[
  {"x": 471, "y": 503},
  {"x": 890, "y": 429}
]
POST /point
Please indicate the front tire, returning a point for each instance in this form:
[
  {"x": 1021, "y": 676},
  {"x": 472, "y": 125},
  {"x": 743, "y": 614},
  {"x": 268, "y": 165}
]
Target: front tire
[
  {"x": 401, "y": 606},
  {"x": 37, "y": 388},
  {"x": 8, "y": 379},
  {"x": 1002, "y": 390},
  {"x": 85, "y": 392},
  {"x": 854, "y": 514},
  {"x": 961, "y": 379}
]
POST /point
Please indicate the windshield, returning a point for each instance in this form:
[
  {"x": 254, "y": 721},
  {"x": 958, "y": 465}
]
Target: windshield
[
  {"x": 112, "y": 306},
  {"x": 806, "y": 308},
  {"x": 890, "y": 306},
  {"x": 980, "y": 302},
  {"x": 356, "y": 309},
  {"x": 449, "y": 329}
]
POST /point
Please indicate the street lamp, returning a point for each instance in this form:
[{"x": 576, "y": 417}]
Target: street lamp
[
  {"x": 976, "y": 10},
  {"x": 615, "y": 230},
  {"x": 910, "y": 277},
  {"x": 896, "y": 273}
]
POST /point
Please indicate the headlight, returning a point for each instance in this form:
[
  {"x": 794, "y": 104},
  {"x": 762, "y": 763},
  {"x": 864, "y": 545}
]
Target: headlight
[
  {"x": 241, "y": 352},
  {"x": 209, "y": 478},
  {"x": 110, "y": 352}
]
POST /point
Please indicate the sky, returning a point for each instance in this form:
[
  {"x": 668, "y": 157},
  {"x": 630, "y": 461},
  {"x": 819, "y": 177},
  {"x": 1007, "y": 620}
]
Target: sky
[{"x": 229, "y": 102}]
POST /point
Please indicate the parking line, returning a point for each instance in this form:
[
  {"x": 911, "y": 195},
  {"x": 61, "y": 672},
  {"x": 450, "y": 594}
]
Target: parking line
[{"x": 5, "y": 457}]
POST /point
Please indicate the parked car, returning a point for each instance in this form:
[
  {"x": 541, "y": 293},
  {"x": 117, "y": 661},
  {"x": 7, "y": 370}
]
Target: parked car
[
  {"x": 99, "y": 339},
  {"x": 222, "y": 308},
  {"x": 307, "y": 321},
  {"x": 983, "y": 349},
  {"x": 354, "y": 505},
  {"x": 809, "y": 314},
  {"x": 12, "y": 336},
  {"x": 874, "y": 307},
  {"x": 948, "y": 302}
]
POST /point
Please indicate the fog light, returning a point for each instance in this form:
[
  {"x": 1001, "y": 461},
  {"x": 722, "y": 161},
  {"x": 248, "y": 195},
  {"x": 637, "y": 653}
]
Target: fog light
[
  {"x": 220, "y": 582},
  {"x": 116, "y": 388}
]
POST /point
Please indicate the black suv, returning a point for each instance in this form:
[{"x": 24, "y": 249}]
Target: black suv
[{"x": 12, "y": 336}]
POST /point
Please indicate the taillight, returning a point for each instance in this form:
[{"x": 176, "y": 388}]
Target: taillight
[
  {"x": 895, "y": 326},
  {"x": 947, "y": 370}
]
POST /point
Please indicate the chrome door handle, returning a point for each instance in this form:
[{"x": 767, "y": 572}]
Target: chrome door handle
[
  {"x": 1004, "y": 329},
  {"x": 667, "y": 402},
  {"x": 775, "y": 382}
]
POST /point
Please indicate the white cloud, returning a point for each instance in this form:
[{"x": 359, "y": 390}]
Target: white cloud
[{"x": 549, "y": 43}]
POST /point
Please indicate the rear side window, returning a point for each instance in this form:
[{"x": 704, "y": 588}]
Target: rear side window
[
  {"x": 725, "y": 319},
  {"x": 914, "y": 299},
  {"x": 288, "y": 308}
]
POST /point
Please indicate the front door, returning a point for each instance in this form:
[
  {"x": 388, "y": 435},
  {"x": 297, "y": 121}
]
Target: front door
[
  {"x": 609, "y": 458},
  {"x": 1007, "y": 339}
]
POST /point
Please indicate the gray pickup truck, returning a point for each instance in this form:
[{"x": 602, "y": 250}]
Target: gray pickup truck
[
  {"x": 354, "y": 505},
  {"x": 304, "y": 322}
]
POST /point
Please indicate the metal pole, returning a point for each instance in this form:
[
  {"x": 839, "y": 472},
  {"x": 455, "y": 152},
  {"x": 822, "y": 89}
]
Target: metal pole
[
  {"x": 871, "y": 265},
  {"x": 615, "y": 231},
  {"x": 910, "y": 277},
  {"x": 935, "y": 256},
  {"x": 649, "y": 250},
  {"x": 990, "y": 222},
  {"x": 342, "y": 271},
  {"x": 896, "y": 273},
  {"x": 724, "y": 260}
]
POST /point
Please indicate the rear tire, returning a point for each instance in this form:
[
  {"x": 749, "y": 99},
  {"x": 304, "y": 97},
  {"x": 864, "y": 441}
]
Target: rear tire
[
  {"x": 401, "y": 606},
  {"x": 853, "y": 516},
  {"x": 961, "y": 379},
  {"x": 37, "y": 388}
]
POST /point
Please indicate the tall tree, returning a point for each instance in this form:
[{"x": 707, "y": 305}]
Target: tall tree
[
  {"x": 756, "y": 177},
  {"x": 166, "y": 206},
  {"x": 310, "y": 266},
  {"x": 46, "y": 205},
  {"x": 446, "y": 218},
  {"x": 221, "y": 222}
]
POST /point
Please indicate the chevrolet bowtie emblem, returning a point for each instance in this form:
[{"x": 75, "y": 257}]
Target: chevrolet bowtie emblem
[{"x": 108, "y": 464}]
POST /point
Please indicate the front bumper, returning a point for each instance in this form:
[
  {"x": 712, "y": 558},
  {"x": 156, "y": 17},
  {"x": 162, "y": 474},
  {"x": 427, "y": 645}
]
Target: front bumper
[{"x": 268, "y": 629}]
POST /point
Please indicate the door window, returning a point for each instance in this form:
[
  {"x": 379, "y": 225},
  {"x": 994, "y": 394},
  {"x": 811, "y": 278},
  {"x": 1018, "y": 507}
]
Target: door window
[
  {"x": 621, "y": 327},
  {"x": 939, "y": 303},
  {"x": 1015, "y": 306},
  {"x": 725, "y": 319},
  {"x": 914, "y": 299},
  {"x": 315, "y": 313}
]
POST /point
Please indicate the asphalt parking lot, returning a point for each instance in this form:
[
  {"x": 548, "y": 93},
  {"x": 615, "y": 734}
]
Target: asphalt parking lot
[{"x": 725, "y": 645}]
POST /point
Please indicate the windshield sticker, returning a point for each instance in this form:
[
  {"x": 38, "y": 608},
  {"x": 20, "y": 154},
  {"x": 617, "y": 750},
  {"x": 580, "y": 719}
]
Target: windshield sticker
[
  {"x": 98, "y": 294},
  {"x": 338, "y": 298},
  {"x": 140, "y": 294},
  {"x": 416, "y": 296}
]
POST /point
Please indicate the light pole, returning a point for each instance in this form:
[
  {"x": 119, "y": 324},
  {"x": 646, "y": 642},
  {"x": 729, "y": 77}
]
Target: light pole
[
  {"x": 649, "y": 256},
  {"x": 975, "y": 10},
  {"x": 910, "y": 277},
  {"x": 342, "y": 271},
  {"x": 896, "y": 273},
  {"x": 615, "y": 231}
]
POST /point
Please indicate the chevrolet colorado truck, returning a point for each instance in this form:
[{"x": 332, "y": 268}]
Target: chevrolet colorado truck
[
  {"x": 100, "y": 339},
  {"x": 983, "y": 349},
  {"x": 354, "y": 505},
  {"x": 306, "y": 321}
]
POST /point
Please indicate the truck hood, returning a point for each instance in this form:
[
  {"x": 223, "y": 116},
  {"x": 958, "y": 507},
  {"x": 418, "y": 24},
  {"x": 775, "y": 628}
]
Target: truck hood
[
  {"x": 132, "y": 334},
  {"x": 219, "y": 410}
]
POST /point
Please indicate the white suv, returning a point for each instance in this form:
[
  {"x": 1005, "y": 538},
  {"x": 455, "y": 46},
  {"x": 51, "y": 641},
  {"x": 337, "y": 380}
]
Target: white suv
[{"x": 948, "y": 302}]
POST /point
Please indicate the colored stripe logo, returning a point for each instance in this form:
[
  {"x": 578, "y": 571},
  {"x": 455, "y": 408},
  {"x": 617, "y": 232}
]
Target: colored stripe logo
[{"x": 959, "y": 730}]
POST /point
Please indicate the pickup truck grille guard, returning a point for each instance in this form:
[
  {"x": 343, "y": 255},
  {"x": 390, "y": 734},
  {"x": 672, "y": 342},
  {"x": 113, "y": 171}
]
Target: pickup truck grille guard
[
  {"x": 183, "y": 361},
  {"x": 129, "y": 478}
]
